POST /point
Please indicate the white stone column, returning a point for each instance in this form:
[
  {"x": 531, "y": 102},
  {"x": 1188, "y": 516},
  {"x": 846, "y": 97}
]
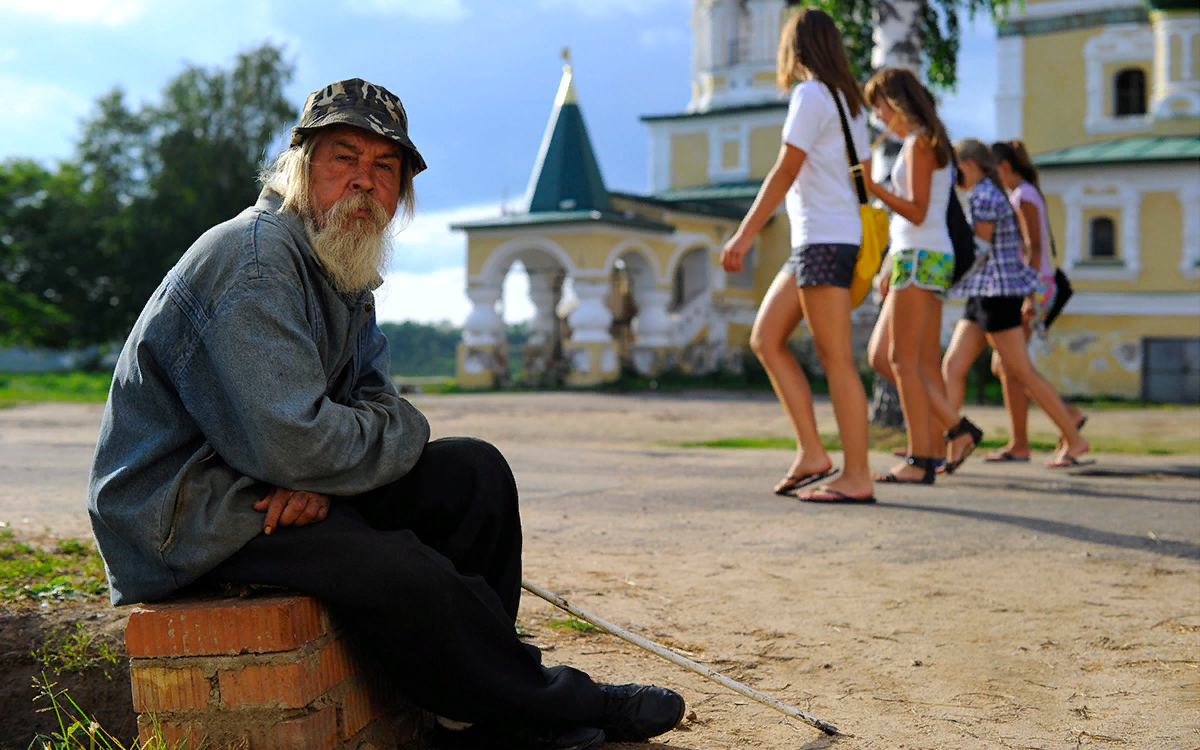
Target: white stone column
[
  {"x": 591, "y": 318},
  {"x": 545, "y": 291},
  {"x": 484, "y": 326},
  {"x": 652, "y": 326}
]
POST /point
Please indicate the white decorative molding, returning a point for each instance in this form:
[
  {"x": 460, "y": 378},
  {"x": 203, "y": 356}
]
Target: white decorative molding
[
  {"x": 1126, "y": 42},
  {"x": 1183, "y": 304},
  {"x": 690, "y": 320},
  {"x": 718, "y": 28},
  {"x": 1103, "y": 194},
  {"x": 498, "y": 261},
  {"x": 684, "y": 243},
  {"x": 1056, "y": 8},
  {"x": 1079, "y": 188},
  {"x": 1010, "y": 88},
  {"x": 652, "y": 326},
  {"x": 591, "y": 318},
  {"x": 662, "y": 131},
  {"x": 483, "y": 326},
  {"x": 1189, "y": 205},
  {"x": 1174, "y": 82},
  {"x": 642, "y": 250}
]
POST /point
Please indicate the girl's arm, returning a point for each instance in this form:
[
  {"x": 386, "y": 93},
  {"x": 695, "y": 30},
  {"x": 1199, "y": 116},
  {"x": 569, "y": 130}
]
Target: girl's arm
[
  {"x": 1031, "y": 231},
  {"x": 920, "y": 159},
  {"x": 984, "y": 230},
  {"x": 770, "y": 195}
]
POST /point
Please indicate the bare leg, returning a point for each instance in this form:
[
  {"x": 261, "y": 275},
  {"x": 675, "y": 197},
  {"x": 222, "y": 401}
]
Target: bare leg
[
  {"x": 881, "y": 341},
  {"x": 827, "y": 309},
  {"x": 910, "y": 317},
  {"x": 777, "y": 318},
  {"x": 1016, "y": 402},
  {"x": 945, "y": 415},
  {"x": 1010, "y": 345},
  {"x": 966, "y": 345}
]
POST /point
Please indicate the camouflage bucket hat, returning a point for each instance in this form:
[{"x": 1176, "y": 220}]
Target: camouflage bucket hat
[{"x": 361, "y": 104}]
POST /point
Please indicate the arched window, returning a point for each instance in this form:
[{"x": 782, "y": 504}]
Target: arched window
[
  {"x": 1103, "y": 239},
  {"x": 691, "y": 277},
  {"x": 1129, "y": 92}
]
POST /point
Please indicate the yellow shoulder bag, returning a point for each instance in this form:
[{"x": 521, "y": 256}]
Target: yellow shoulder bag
[{"x": 874, "y": 221}]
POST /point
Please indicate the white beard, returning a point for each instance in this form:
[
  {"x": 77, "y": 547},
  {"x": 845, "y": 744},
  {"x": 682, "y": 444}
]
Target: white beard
[{"x": 353, "y": 251}]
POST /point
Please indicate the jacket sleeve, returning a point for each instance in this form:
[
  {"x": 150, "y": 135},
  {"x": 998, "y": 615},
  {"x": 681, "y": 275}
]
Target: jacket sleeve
[{"x": 256, "y": 387}]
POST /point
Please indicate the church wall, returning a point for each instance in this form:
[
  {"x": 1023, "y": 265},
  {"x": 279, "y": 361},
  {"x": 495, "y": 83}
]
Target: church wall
[
  {"x": 689, "y": 160},
  {"x": 764, "y": 150},
  {"x": 1162, "y": 244},
  {"x": 1054, "y": 71}
]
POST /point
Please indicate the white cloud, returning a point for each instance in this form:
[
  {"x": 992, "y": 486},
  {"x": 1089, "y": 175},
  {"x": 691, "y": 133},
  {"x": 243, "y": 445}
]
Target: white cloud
[
  {"x": 665, "y": 38},
  {"x": 441, "y": 295},
  {"x": 105, "y": 12},
  {"x": 424, "y": 10},
  {"x": 428, "y": 243}
]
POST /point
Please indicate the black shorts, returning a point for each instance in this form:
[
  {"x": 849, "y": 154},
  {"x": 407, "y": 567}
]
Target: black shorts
[
  {"x": 994, "y": 314},
  {"x": 824, "y": 264}
]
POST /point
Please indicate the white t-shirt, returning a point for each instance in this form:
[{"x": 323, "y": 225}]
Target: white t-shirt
[{"x": 822, "y": 204}]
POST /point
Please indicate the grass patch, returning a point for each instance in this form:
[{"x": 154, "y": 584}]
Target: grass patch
[
  {"x": 574, "y": 623},
  {"x": 72, "y": 570},
  {"x": 75, "y": 650},
  {"x": 78, "y": 731},
  {"x": 886, "y": 439},
  {"x": 29, "y": 387}
]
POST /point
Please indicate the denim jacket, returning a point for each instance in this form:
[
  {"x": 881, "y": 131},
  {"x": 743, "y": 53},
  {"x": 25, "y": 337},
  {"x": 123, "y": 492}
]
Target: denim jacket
[{"x": 245, "y": 371}]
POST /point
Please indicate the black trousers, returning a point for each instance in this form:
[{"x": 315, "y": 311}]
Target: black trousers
[{"x": 425, "y": 574}]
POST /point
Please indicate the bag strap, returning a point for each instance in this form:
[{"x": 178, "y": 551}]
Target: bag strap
[{"x": 855, "y": 166}]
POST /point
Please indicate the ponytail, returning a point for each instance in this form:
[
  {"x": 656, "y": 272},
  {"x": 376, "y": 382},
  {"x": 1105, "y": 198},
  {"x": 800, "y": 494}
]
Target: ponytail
[{"x": 1017, "y": 156}]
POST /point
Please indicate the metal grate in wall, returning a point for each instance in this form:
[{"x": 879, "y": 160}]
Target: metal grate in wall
[{"x": 1171, "y": 370}]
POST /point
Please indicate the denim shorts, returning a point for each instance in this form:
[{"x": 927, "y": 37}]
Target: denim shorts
[{"x": 824, "y": 264}]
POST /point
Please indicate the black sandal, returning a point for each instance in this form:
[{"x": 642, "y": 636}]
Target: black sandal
[
  {"x": 928, "y": 465},
  {"x": 964, "y": 427}
]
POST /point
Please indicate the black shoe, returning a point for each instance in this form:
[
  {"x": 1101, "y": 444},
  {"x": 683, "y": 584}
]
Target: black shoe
[
  {"x": 498, "y": 737},
  {"x": 635, "y": 713}
]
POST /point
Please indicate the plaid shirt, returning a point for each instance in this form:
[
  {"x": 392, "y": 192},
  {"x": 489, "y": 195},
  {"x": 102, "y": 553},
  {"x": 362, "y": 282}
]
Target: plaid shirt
[{"x": 1005, "y": 272}]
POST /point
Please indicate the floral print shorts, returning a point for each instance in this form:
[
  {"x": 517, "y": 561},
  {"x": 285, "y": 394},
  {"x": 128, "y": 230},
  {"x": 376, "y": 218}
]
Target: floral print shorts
[{"x": 927, "y": 269}]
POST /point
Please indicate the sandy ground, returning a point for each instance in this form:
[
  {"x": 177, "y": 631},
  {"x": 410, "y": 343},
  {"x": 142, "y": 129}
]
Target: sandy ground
[{"x": 1008, "y": 606}]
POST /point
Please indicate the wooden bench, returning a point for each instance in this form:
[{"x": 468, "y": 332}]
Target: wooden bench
[{"x": 267, "y": 672}]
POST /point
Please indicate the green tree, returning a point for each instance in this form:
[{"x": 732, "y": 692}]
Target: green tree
[
  {"x": 82, "y": 249},
  {"x": 933, "y": 38}
]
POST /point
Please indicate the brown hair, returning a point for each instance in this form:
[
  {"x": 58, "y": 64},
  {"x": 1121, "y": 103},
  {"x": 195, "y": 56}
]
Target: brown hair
[
  {"x": 811, "y": 48},
  {"x": 979, "y": 152},
  {"x": 912, "y": 101},
  {"x": 1017, "y": 156}
]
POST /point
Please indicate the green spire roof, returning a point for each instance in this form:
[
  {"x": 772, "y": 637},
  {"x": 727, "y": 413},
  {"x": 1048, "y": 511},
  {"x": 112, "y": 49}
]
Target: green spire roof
[{"x": 566, "y": 177}]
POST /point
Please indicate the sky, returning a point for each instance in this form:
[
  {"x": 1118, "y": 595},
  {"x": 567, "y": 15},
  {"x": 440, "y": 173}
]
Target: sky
[{"x": 477, "y": 77}]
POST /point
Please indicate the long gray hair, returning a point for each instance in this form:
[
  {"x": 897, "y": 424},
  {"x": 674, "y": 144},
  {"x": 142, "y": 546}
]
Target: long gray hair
[{"x": 289, "y": 174}]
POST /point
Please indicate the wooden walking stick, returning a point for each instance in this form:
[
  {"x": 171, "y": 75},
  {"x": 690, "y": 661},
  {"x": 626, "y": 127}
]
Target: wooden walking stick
[{"x": 675, "y": 658}]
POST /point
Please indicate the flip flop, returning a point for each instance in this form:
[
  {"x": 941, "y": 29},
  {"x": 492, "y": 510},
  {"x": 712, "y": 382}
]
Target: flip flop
[
  {"x": 793, "y": 483},
  {"x": 830, "y": 496},
  {"x": 1005, "y": 456},
  {"x": 1068, "y": 462}
]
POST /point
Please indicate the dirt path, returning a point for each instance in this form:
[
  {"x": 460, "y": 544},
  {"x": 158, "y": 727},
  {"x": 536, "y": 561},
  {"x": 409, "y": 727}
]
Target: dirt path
[{"x": 1007, "y": 606}]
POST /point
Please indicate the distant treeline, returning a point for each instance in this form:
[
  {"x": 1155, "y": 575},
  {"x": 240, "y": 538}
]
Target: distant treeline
[{"x": 430, "y": 349}]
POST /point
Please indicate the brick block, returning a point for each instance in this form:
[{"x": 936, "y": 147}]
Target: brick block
[
  {"x": 287, "y": 685},
  {"x": 157, "y": 689},
  {"x": 359, "y": 708},
  {"x": 179, "y": 736},
  {"x": 223, "y": 626},
  {"x": 316, "y": 731}
]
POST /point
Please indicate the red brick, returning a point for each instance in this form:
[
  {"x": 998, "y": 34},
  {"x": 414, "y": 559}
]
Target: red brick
[
  {"x": 223, "y": 626},
  {"x": 177, "y": 736},
  {"x": 316, "y": 731},
  {"x": 285, "y": 685},
  {"x": 157, "y": 689},
  {"x": 359, "y": 708}
]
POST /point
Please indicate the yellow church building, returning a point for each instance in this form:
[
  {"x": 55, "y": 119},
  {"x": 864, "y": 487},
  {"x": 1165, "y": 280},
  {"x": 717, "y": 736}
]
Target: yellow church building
[{"x": 1105, "y": 93}]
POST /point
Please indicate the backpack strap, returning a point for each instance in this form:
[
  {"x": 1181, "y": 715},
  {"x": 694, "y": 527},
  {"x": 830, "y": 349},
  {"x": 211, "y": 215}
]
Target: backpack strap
[{"x": 855, "y": 166}]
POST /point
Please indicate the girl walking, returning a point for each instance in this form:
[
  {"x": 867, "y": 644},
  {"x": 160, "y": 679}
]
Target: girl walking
[
  {"x": 812, "y": 173},
  {"x": 922, "y": 258},
  {"x": 1019, "y": 178},
  {"x": 999, "y": 300}
]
